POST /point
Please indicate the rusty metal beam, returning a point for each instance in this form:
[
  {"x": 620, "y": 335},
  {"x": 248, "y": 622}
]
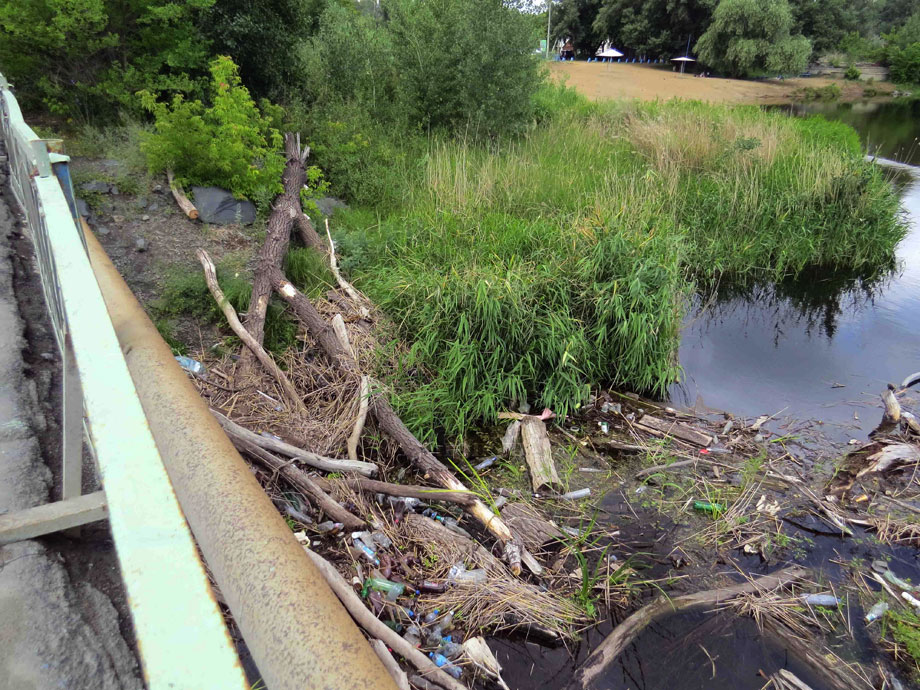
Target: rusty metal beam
[{"x": 297, "y": 630}]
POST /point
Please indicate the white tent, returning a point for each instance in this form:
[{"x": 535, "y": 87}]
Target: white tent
[{"x": 683, "y": 62}]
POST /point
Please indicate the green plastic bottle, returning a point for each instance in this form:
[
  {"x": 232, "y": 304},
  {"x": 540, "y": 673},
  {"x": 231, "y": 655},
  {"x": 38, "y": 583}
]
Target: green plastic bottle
[
  {"x": 391, "y": 589},
  {"x": 707, "y": 507}
]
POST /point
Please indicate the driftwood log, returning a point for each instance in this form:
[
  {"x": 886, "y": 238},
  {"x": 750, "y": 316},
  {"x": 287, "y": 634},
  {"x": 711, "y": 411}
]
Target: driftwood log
[
  {"x": 662, "y": 427},
  {"x": 589, "y": 675},
  {"x": 299, "y": 480},
  {"x": 254, "y": 346},
  {"x": 400, "y": 490},
  {"x": 188, "y": 208},
  {"x": 235, "y": 431},
  {"x": 399, "y": 676},
  {"x": 530, "y": 526},
  {"x": 539, "y": 454},
  {"x": 431, "y": 532}
]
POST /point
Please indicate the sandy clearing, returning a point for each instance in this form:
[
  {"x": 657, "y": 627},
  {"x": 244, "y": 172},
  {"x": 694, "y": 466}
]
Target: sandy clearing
[{"x": 599, "y": 81}]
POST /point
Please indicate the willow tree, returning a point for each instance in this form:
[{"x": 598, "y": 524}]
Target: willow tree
[{"x": 748, "y": 37}]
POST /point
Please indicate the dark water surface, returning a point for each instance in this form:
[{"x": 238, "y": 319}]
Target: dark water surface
[{"x": 826, "y": 346}]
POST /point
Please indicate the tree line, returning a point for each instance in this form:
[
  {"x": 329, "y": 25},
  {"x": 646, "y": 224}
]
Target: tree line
[{"x": 747, "y": 37}]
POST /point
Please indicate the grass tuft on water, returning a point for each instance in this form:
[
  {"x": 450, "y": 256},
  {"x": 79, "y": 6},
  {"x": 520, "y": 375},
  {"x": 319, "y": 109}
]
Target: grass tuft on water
[{"x": 534, "y": 269}]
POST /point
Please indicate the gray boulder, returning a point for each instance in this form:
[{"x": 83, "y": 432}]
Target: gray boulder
[
  {"x": 329, "y": 205},
  {"x": 217, "y": 206},
  {"x": 97, "y": 186}
]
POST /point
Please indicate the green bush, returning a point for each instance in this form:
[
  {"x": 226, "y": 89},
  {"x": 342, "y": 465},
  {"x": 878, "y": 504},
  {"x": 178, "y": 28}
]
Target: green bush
[
  {"x": 904, "y": 64},
  {"x": 508, "y": 284},
  {"x": 852, "y": 73},
  {"x": 228, "y": 143}
]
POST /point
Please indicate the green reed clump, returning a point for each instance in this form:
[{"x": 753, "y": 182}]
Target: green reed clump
[{"x": 536, "y": 268}]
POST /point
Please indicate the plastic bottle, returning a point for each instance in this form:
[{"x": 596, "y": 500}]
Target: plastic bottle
[
  {"x": 877, "y": 611},
  {"x": 329, "y": 527},
  {"x": 575, "y": 495},
  {"x": 368, "y": 552},
  {"x": 436, "y": 587},
  {"x": 388, "y": 587},
  {"x": 707, "y": 507},
  {"x": 430, "y": 617},
  {"x": 450, "y": 649},
  {"x": 488, "y": 462},
  {"x": 447, "y": 621},
  {"x": 459, "y": 573},
  {"x": 828, "y": 600},
  {"x": 193, "y": 366},
  {"x": 444, "y": 664},
  {"x": 413, "y": 635}
]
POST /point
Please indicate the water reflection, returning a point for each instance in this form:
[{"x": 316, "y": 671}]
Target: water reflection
[{"x": 826, "y": 344}]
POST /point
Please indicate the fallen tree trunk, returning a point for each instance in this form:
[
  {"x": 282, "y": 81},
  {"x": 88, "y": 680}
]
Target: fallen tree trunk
[
  {"x": 277, "y": 240},
  {"x": 299, "y": 480},
  {"x": 375, "y": 627},
  {"x": 387, "y": 419},
  {"x": 255, "y": 347},
  {"x": 234, "y": 431},
  {"x": 589, "y": 675},
  {"x": 401, "y": 490}
]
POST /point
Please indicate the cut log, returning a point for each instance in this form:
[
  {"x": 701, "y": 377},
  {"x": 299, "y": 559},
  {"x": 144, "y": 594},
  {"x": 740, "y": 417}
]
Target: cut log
[
  {"x": 539, "y": 454},
  {"x": 210, "y": 276},
  {"x": 589, "y": 675},
  {"x": 891, "y": 456},
  {"x": 387, "y": 420},
  {"x": 423, "y": 493},
  {"x": 682, "y": 431},
  {"x": 299, "y": 480},
  {"x": 234, "y": 431},
  {"x": 188, "y": 208}
]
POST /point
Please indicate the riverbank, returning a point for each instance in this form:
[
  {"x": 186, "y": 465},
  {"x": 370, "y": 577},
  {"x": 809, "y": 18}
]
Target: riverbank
[{"x": 601, "y": 82}]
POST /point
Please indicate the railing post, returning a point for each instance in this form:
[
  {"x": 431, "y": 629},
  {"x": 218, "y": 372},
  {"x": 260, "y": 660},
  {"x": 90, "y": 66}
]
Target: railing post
[{"x": 72, "y": 423}]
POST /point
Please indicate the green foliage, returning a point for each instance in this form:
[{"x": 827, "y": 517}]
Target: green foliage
[
  {"x": 576, "y": 20},
  {"x": 830, "y": 92},
  {"x": 228, "y": 143},
  {"x": 904, "y": 628},
  {"x": 652, "y": 27},
  {"x": 509, "y": 285},
  {"x": 185, "y": 293},
  {"x": 84, "y": 59},
  {"x": 749, "y": 37},
  {"x": 262, "y": 37},
  {"x": 852, "y": 73},
  {"x": 904, "y": 64},
  {"x": 308, "y": 270}
]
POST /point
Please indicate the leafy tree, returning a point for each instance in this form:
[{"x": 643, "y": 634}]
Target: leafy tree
[
  {"x": 228, "y": 143},
  {"x": 825, "y": 22},
  {"x": 464, "y": 63},
  {"x": 574, "y": 20},
  {"x": 653, "y": 27},
  {"x": 751, "y": 36},
  {"x": 86, "y": 58},
  {"x": 263, "y": 37}
]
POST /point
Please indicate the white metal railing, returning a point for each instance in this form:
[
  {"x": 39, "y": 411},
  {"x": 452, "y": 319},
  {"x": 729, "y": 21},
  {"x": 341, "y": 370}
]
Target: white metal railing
[{"x": 181, "y": 636}]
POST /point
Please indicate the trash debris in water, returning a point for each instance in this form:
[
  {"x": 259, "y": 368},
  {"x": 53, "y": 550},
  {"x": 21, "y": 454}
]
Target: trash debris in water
[
  {"x": 488, "y": 462},
  {"x": 708, "y": 507},
  {"x": 575, "y": 495},
  {"x": 877, "y": 611},
  {"x": 828, "y": 600}
]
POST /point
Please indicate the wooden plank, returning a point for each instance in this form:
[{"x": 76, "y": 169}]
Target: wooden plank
[
  {"x": 539, "y": 454},
  {"x": 676, "y": 429},
  {"x": 52, "y": 517}
]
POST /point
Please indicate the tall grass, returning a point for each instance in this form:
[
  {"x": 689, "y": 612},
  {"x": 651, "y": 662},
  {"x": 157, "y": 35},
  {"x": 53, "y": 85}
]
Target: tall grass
[{"x": 536, "y": 268}]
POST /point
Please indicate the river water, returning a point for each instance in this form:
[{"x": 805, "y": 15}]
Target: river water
[{"x": 825, "y": 347}]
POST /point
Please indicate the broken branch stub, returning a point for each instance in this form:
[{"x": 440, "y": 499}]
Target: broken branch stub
[{"x": 210, "y": 276}]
